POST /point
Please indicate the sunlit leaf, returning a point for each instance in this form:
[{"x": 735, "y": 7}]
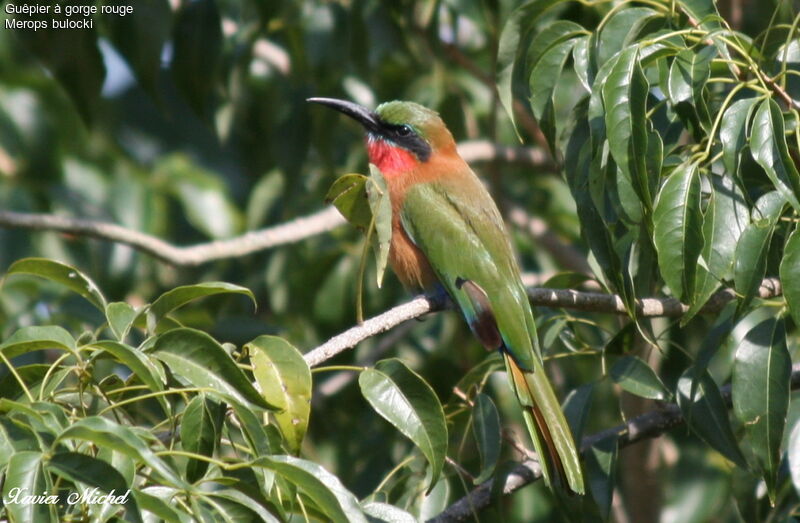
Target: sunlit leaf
[
  {"x": 285, "y": 381},
  {"x": 25, "y": 474},
  {"x": 406, "y": 401},
  {"x": 381, "y": 206},
  {"x": 63, "y": 274},
  {"x": 180, "y": 296},
  {"x": 733, "y": 132},
  {"x": 349, "y": 194},
  {"x": 199, "y": 359},
  {"x": 768, "y": 146},
  {"x": 120, "y": 317},
  {"x": 636, "y": 376},
  {"x": 28, "y": 339}
]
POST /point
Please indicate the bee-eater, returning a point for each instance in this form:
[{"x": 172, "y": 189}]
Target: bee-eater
[{"x": 447, "y": 232}]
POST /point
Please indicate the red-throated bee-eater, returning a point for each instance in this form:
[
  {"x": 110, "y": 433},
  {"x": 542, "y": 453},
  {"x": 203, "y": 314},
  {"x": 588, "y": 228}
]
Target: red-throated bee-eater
[{"x": 447, "y": 231}]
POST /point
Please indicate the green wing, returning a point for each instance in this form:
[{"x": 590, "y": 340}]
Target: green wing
[{"x": 458, "y": 227}]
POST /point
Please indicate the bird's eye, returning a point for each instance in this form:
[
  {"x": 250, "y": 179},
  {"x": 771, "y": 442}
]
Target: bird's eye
[{"x": 404, "y": 130}]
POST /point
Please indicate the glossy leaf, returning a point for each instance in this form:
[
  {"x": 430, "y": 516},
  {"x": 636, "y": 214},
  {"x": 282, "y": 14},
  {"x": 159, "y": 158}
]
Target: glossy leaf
[
  {"x": 103, "y": 432},
  {"x": 388, "y": 513},
  {"x": 513, "y": 37},
  {"x": 29, "y": 339},
  {"x": 381, "y": 206},
  {"x": 636, "y": 376},
  {"x": 621, "y": 29},
  {"x": 197, "y": 42},
  {"x": 199, "y": 359},
  {"x": 706, "y": 413},
  {"x": 120, "y": 317},
  {"x": 543, "y": 80},
  {"x": 625, "y": 101},
  {"x": 753, "y": 246},
  {"x": 180, "y": 296},
  {"x": 486, "y": 430},
  {"x": 790, "y": 274},
  {"x": 688, "y": 75},
  {"x": 200, "y": 432},
  {"x": 139, "y": 364},
  {"x": 349, "y": 194},
  {"x": 63, "y": 274},
  {"x": 761, "y": 373},
  {"x": 551, "y": 36},
  {"x": 678, "y": 234},
  {"x": 733, "y": 132},
  {"x": 94, "y": 472},
  {"x": 725, "y": 219},
  {"x": 331, "y": 497},
  {"x": 768, "y": 146},
  {"x": 285, "y": 381},
  {"x": 406, "y": 401},
  {"x": 25, "y": 474}
]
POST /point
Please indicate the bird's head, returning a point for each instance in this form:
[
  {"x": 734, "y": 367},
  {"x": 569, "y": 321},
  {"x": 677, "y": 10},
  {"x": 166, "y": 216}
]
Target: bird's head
[{"x": 400, "y": 135}]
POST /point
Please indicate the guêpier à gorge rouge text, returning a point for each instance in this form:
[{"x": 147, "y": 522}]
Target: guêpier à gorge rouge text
[{"x": 25, "y": 12}]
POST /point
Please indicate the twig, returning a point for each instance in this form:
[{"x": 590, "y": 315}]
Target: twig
[
  {"x": 648, "y": 425},
  {"x": 556, "y": 298},
  {"x": 286, "y": 233}
]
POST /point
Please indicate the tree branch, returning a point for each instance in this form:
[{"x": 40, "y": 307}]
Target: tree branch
[
  {"x": 648, "y": 425},
  {"x": 556, "y": 298},
  {"x": 283, "y": 234}
]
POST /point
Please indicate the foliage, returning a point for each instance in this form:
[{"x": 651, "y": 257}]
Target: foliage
[{"x": 673, "y": 126}]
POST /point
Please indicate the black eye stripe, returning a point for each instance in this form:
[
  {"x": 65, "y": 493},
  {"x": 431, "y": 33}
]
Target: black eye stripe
[{"x": 405, "y": 136}]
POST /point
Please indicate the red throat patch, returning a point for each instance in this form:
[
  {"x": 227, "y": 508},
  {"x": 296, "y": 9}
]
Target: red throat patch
[{"x": 389, "y": 158}]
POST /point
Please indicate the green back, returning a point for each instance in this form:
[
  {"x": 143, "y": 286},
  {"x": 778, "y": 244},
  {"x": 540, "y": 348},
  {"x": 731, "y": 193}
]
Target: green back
[{"x": 455, "y": 222}]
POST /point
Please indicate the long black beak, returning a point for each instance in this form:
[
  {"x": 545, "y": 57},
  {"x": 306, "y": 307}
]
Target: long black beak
[{"x": 364, "y": 116}]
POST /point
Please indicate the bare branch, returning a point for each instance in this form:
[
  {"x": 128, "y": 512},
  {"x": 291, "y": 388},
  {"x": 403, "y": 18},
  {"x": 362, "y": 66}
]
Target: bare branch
[
  {"x": 648, "y": 425},
  {"x": 286, "y": 233},
  {"x": 289, "y": 232},
  {"x": 556, "y": 298}
]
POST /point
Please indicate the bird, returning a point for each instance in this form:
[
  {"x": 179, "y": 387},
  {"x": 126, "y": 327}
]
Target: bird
[{"x": 447, "y": 233}]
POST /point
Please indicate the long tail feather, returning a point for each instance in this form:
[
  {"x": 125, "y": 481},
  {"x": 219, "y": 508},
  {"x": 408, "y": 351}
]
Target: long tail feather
[{"x": 551, "y": 435}]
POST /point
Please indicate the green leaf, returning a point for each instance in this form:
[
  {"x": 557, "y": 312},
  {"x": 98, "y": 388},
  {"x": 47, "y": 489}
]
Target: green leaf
[
  {"x": 238, "y": 506},
  {"x": 285, "y": 381},
  {"x": 388, "y": 513},
  {"x": 513, "y": 38},
  {"x": 29, "y": 339},
  {"x": 81, "y": 468},
  {"x": 725, "y": 219},
  {"x": 139, "y": 36},
  {"x": 636, "y": 376},
  {"x": 73, "y": 58},
  {"x": 156, "y": 505},
  {"x": 199, "y": 359},
  {"x": 263, "y": 197},
  {"x": 486, "y": 430},
  {"x": 553, "y": 34},
  {"x": 349, "y": 194},
  {"x": 790, "y": 274},
  {"x": 180, "y": 296},
  {"x": 25, "y": 475},
  {"x": 625, "y": 99},
  {"x": 621, "y": 29},
  {"x": 543, "y": 80},
  {"x": 733, "y": 133},
  {"x": 120, "y": 317},
  {"x": 768, "y": 147},
  {"x": 753, "y": 246},
  {"x": 197, "y": 42},
  {"x": 201, "y": 428},
  {"x": 139, "y": 364},
  {"x": 326, "y": 491},
  {"x": 406, "y": 401},
  {"x": 103, "y": 432},
  {"x": 761, "y": 373},
  {"x": 63, "y": 274},
  {"x": 601, "y": 466},
  {"x": 688, "y": 75},
  {"x": 678, "y": 234},
  {"x": 381, "y": 206},
  {"x": 706, "y": 413}
]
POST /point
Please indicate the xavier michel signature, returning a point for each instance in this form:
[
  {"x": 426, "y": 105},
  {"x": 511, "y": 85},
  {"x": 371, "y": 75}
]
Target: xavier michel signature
[{"x": 93, "y": 496}]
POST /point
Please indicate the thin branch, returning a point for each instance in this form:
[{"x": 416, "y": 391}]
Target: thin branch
[
  {"x": 249, "y": 243},
  {"x": 648, "y": 425},
  {"x": 555, "y": 298}
]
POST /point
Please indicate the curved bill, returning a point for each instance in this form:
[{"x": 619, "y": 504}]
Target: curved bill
[{"x": 361, "y": 114}]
